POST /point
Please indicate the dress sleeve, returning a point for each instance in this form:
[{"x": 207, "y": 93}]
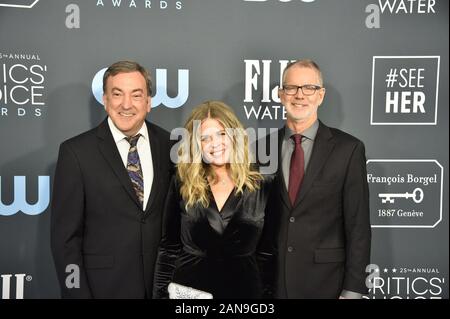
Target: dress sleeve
[{"x": 170, "y": 244}]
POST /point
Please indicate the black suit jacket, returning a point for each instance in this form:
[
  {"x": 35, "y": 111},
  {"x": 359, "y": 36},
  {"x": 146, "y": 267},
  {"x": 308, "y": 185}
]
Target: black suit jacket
[
  {"x": 97, "y": 223},
  {"x": 323, "y": 240}
]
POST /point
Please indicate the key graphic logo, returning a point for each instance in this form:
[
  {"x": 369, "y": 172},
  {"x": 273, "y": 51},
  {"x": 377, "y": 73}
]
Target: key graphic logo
[{"x": 416, "y": 195}]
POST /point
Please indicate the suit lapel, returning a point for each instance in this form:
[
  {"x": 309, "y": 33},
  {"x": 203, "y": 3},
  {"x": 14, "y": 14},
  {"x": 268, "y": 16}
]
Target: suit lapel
[
  {"x": 155, "y": 148},
  {"x": 323, "y": 145},
  {"x": 109, "y": 150}
]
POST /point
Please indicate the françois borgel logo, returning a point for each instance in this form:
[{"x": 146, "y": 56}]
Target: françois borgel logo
[
  {"x": 262, "y": 81},
  {"x": 163, "y": 96},
  {"x": 22, "y": 85},
  {"x": 405, "y": 193},
  {"x": 405, "y": 90},
  {"x": 405, "y": 282}
]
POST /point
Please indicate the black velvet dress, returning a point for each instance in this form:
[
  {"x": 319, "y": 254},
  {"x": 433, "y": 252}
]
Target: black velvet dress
[{"x": 225, "y": 253}]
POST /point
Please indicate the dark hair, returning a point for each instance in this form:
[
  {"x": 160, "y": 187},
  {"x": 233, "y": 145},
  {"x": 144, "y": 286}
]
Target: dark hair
[{"x": 126, "y": 67}]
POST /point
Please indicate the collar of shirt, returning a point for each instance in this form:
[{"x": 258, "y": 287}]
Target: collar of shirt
[
  {"x": 310, "y": 133},
  {"x": 119, "y": 136}
]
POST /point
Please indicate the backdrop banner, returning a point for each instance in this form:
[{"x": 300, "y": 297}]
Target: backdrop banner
[{"x": 385, "y": 65}]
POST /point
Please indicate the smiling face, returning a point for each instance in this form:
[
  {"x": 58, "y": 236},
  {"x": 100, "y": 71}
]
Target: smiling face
[
  {"x": 215, "y": 142},
  {"x": 126, "y": 101},
  {"x": 301, "y": 108}
]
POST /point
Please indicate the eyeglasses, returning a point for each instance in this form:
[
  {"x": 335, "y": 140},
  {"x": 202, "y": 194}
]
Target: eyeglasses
[{"x": 307, "y": 89}]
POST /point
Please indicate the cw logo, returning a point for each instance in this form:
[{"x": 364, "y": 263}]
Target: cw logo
[
  {"x": 20, "y": 199},
  {"x": 20, "y": 284},
  {"x": 161, "y": 96},
  {"x": 27, "y": 4}
]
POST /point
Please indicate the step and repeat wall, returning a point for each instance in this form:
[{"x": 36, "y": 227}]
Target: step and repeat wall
[{"x": 385, "y": 65}]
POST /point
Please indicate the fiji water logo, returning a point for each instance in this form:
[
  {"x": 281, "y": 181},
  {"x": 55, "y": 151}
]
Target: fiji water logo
[
  {"x": 397, "y": 7},
  {"x": 161, "y": 96},
  {"x": 20, "y": 203}
]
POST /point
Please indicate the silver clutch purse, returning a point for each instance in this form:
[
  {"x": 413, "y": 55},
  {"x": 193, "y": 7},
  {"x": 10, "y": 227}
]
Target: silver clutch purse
[{"x": 177, "y": 291}]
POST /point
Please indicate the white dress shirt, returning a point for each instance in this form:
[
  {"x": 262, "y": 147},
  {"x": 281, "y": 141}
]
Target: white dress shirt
[{"x": 144, "y": 151}]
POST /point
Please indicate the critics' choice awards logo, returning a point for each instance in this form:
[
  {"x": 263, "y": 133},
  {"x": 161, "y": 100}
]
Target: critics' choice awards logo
[
  {"x": 140, "y": 4},
  {"x": 405, "y": 282},
  {"x": 405, "y": 193},
  {"x": 397, "y": 7},
  {"x": 22, "y": 85},
  {"x": 13, "y": 285},
  {"x": 162, "y": 96},
  {"x": 11, "y": 204},
  {"x": 262, "y": 81},
  {"x": 404, "y": 90}
]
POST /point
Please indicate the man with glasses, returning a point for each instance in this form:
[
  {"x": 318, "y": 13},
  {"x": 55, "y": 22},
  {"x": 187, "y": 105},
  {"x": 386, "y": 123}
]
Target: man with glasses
[{"x": 319, "y": 213}]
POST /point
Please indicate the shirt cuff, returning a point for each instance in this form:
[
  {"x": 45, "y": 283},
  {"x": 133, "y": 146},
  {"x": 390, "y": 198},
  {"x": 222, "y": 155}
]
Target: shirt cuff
[{"x": 350, "y": 294}]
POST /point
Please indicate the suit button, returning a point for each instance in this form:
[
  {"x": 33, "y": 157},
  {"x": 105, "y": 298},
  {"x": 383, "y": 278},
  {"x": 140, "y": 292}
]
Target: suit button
[
  {"x": 290, "y": 249},
  {"x": 292, "y": 219},
  {"x": 143, "y": 221}
]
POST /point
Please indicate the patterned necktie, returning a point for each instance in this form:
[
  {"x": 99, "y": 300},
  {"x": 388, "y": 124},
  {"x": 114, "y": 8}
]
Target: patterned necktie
[
  {"x": 296, "y": 170},
  {"x": 134, "y": 168}
]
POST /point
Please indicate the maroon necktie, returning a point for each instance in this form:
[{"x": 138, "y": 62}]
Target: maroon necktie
[{"x": 296, "y": 170}]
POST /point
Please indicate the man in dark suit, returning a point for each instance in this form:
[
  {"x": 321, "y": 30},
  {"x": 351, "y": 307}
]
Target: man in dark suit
[
  {"x": 319, "y": 211},
  {"x": 109, "y": 188}
]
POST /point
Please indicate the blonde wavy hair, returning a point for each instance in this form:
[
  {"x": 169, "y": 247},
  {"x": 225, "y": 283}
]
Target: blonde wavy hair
[{"x": 194, "y": 173}]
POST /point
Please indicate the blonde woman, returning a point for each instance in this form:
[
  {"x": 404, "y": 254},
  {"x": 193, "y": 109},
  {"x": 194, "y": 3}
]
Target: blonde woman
[{"x": 212, "y": 243}]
